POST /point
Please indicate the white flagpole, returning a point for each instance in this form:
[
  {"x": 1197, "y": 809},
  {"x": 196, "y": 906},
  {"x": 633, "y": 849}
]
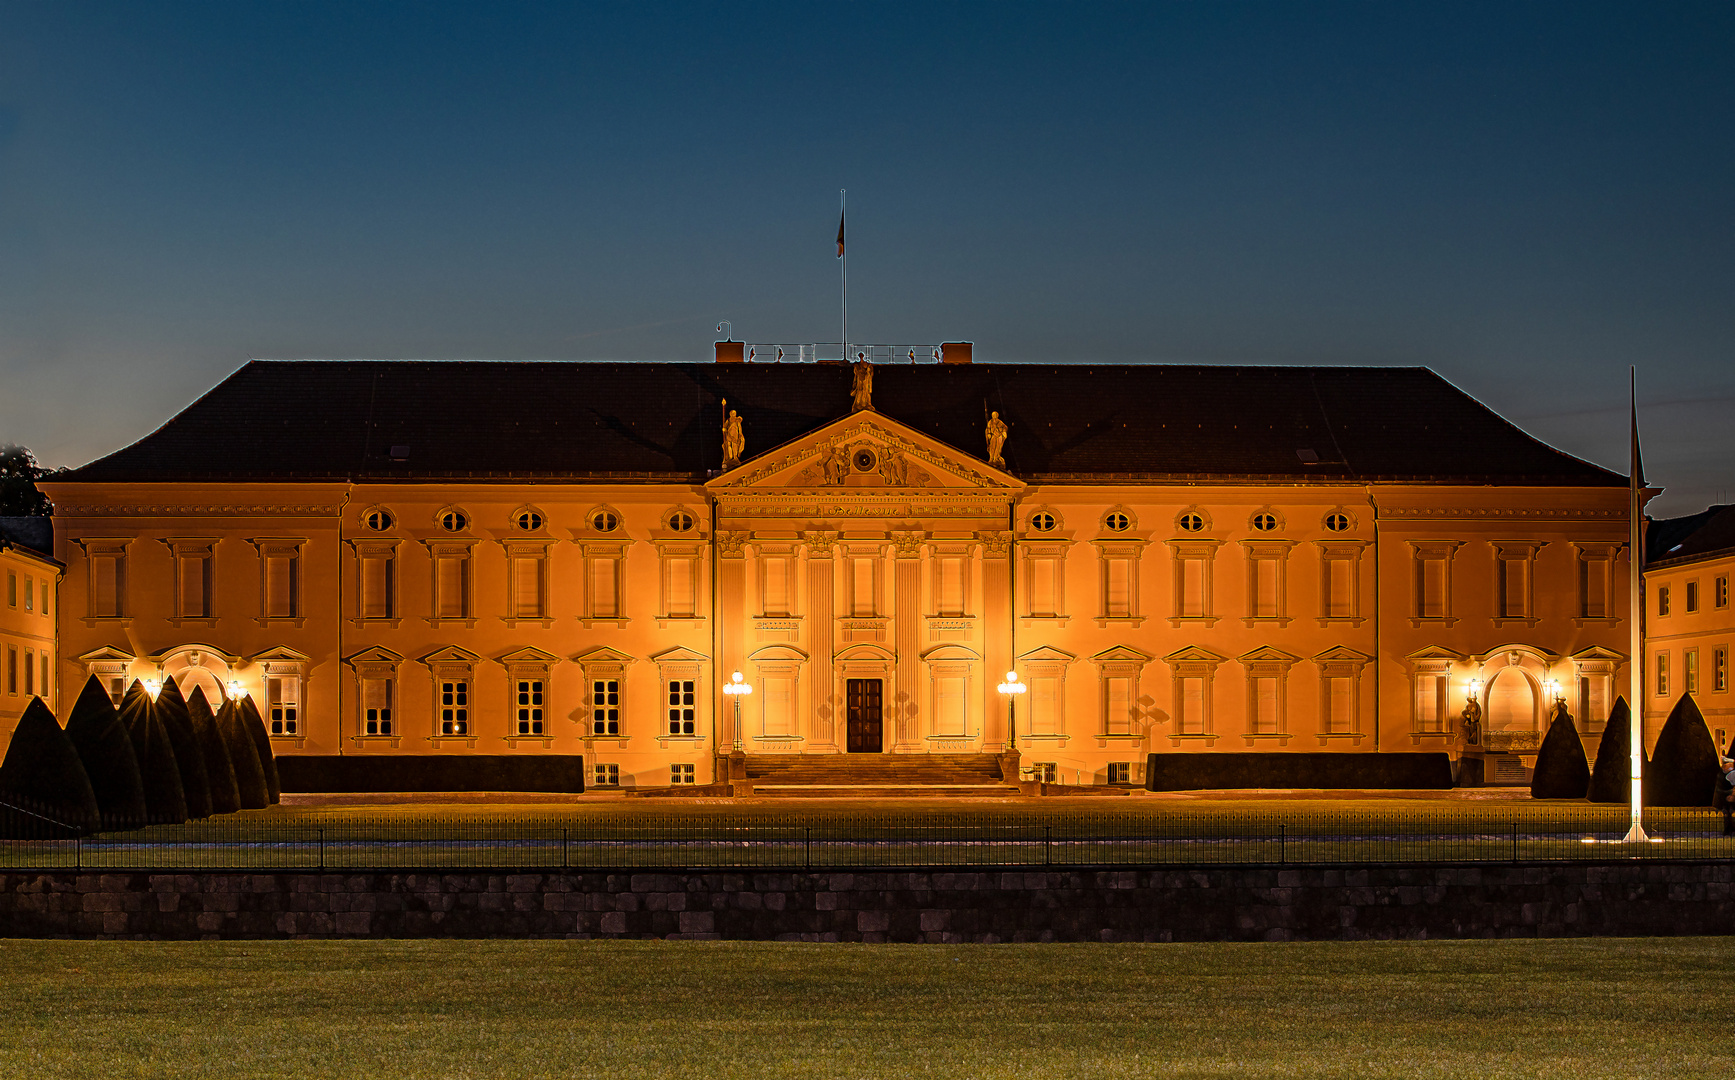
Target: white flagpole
[
  {"x": 843, "y": 257},
  {"x": 1635, "y": 617}
]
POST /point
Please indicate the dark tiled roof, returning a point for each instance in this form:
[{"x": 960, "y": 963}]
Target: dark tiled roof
[
  {"x": 1670, "y": 541},
  {"x": 34, "y": 532},
  {"x": 335, "y": 420}
]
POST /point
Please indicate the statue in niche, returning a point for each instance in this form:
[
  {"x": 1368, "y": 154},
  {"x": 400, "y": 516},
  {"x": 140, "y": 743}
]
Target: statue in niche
[
  {"x": 734, "y": 443},
  {"x": 1472, "y": 722},
  {"x": 997, "y": 431},
  {"x": 862, "y": 393}
]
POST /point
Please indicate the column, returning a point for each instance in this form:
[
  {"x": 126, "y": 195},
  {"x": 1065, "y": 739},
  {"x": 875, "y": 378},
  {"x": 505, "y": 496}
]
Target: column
[
  {"x": 997, "y": 615},
  {"x": 821, "y": 709},
  {"x": 732, "y": 625},
  {"x": 907, "y": 623}
]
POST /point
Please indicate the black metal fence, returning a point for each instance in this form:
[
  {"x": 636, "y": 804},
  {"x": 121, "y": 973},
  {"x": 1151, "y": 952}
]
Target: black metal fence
[{"x": 768, "y": 839}]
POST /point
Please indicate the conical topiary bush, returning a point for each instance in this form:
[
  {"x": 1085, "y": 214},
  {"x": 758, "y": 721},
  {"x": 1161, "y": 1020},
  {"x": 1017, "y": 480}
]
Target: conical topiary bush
[
  {"x": 1562, "y": 771},
  {"x": 262, "y": 744},
  {"x": 165, "y": 803},
  {"x": 171, "y": 710},
  {"x": 1683, "y": 768},
  {"x": 219, "y": 770},
  {"x": 249, "y": 774},
  {"x": 1611, "y": 779},
  {"x": 44, "y": 791},
  {"x": 106, "y": 750}
]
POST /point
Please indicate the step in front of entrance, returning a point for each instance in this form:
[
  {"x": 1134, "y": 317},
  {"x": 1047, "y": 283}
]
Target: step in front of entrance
[{"x": 882, "y": 791}]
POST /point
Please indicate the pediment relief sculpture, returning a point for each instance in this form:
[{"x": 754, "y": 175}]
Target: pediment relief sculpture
[{"x": 867, "y": 450}]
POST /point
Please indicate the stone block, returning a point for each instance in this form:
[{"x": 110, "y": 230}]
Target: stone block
[
  {"x": 873, "y": 921},
  {"x": 697, "y": 922},
  {"x": 613, "y": 922},
  {"x": 354, "y": 922}
]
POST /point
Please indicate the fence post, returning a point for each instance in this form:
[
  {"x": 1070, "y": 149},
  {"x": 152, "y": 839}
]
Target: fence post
[
  {"x": 1282, "y": 843},
  {"x": 1047, "y": 845},
  {"x": 1515, "y": 841},
  {"x": 807, "y": 853},
  {"x": 563, "y": 848},
  {"x": 78, "y": 852},
  {"x": 322, "y": 847}
]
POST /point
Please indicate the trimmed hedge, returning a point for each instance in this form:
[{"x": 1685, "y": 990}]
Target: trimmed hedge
[
  {"x": 225, "y": 795},
  {"x": 1187, "y": 772},
  {"x": 171, "y": 711},
  {"x": 165, "y": 802},
  {"x": 243, "y": 758},
  {"x": 42, "y": 767},
  {"x": 1683, "y": 768},
  {"x": 1562, "y": 771},
  {"x": 106, "y": 750},
  {"x": 432, "y": 772},
  {"x": 1611, "y": 778},
  {"x": 255, "y": 725}
]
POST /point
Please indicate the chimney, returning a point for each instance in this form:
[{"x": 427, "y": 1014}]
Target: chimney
[
  {"x": 731, "y": 352},
  {"x": 956, "y": 352}
]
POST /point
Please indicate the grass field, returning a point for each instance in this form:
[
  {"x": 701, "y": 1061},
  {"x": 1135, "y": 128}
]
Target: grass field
[{"x": 1570, "y": 1009}]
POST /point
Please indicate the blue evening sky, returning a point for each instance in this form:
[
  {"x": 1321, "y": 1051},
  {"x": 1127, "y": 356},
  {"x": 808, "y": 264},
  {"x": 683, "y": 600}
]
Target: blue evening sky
[{"x": 1527, "y": 198}]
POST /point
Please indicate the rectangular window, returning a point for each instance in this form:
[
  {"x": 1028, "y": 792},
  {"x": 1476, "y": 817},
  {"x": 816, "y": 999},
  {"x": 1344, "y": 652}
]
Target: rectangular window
[
  {"x": 1118, "y": 588},
  {"x": 11, "y": 589},
  {"x": 1593, "y": 582},
  {"x": 108, "y": 574},
  {"x": 283, "y": 698},
  {"x": 776, "y": 570},
  {"x": 682, "y": 774},
  {"x": 1044, "y": 586},
  {"x": 1662, "y": 679},
  {"x": 1692, "y": 597},
  {"x": 1662, "y": 599},
  {"x": 527, "y": 591},
  {"x": 529, "y": 707},
  {"x": 1266, "y": 581},
  {"x": 1118, "y": 706},
  {"x": 11, "y": 669},
  {"x": 195, "y": 572},
  {"x": 1192, "y": 705},
  {"x": 1720, "y": 669},
  {"x": 604, "y": 588},
  {"x": 1193, "y": 600},
  {"x": 452, "y": 587},
  {"x": 605, "y": 707},
  {"x": 949, "y": 585},
  {"x": 605, "y": 775},
  {"x": 29, "y": 672},
  {"x": 1430, "y": 705},
  {"x": 1340, "y": 704},
  {"x": 282, "y": 586},
  {"x": 1514, "y": 588},
  {"x": 29, "y": 594},
  {"x": 1720, "y": 592},
  {"x": 1340, "y": 589},
  {"x": 683, "y": 707},
  {"x": 950, "y": 704},
  {"x": 454, "y": 707},
  {"x": 1690, "y": 669},
  {"x": 1046, "y": 771},
  {"x": 1045, "y": 706},
  {"x": 377, "y": 572},
  {"x": 45, "y": 592},
  {"x": 376, "y": 703},
  {"x": 43, "y": 686},
  {"x": 779, "y": 714},
  {"x": 681, "y": 586},
  {"x": 1120, "y": 772},
  {"x": 1267, "y": 719},
  {"x": 862, "y": 599},
  {"x": 1431, "y": 588},
  {"x": 117, "y": 689}
]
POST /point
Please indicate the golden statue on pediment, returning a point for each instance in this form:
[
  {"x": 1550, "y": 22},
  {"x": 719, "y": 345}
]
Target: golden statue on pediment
[
  {"x": 734, "y": 442},
  {"x": 862, "y": 393},
  {"x": 997, "y": 431}
]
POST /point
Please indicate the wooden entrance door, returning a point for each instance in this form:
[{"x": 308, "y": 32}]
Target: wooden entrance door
[{"x": 862, "y": 711}]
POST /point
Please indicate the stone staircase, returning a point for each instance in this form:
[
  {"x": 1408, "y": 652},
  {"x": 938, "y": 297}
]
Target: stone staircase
[{"x": 876, "y": 776}]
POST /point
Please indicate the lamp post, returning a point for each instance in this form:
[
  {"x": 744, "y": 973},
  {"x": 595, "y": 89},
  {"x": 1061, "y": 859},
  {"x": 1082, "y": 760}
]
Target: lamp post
[
  {"x": 235, "y": 691},
  {"x": 737, "y": 689},
  {"x": 1011, "y": 688}
]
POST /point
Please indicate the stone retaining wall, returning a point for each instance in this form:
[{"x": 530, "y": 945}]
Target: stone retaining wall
[{"x": 933, "y": 905}]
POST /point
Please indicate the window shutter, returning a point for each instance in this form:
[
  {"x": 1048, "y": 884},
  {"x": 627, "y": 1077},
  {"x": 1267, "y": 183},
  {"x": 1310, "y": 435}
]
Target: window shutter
[
  {"x": 279, "y": 587},
  {"x": 682, "y": 599},
  {"x": 1192, "y": 588},
  {"x": 376, "y": 587},
  {"x": 452, "y": 571},
  {"x": 193, "y": 587},
  {"x": 1341, "y": 586},
  {"x": 106, "y": 572},
  {"x": 776, "y": 571},
  {"x": 1433, "y": 588},
  {"x": 1267, "y": 722},
  {"x": 1118, "y": 706},
  {"x": 862, "y": 590},
  {"x": 1044, "y": 598},
  {"x": 1192, "y": 705},
  {"x": 951, "y": 600},
  {"x": 527, "y": 587},
  {"x": 779, "y": 704},
  {"x": 1512, "y": 588},
  {"x": 1265, "y": 604},
  {"x": 1120, "y": 598},
  {"x": 603, "y": 598},
  {"x": 1428, "y": 702},
  {"x": 1044, "y": 706},
  {"x": 1340, "y": 690}
]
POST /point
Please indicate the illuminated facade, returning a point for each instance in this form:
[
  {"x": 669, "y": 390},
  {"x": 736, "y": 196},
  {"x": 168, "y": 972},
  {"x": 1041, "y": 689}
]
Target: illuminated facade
[
  {"x": 453, "y": 558},
  {"x": 1689, "y": 621},
  {"x": 29, "y": 659}
]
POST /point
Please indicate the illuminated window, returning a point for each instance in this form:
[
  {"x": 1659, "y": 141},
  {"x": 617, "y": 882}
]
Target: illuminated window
[
  {"x": 605, "y": 775},
  {"x": 682, "y": 774},
  {"x": 529, "y": 707},
  {"x": 1662, "y": 679},
  {"x": 454, "y": 707},
  {"x": 283, "y": 703},
  {"x": 1720, "y": 592},
  {"x": 1720, "y": 669},
  {"x": 1690, "y": 669},
  {"x": 1662, "y": 600},
  {"x": 454, "y": 521},
  {"x": 683, "y": 707},
  {"x": 605, "y": 707},
  {"x": 376, "y": 703},
  {"x": 1692, "y": 596},
  {"x": 29, "y": 594}
]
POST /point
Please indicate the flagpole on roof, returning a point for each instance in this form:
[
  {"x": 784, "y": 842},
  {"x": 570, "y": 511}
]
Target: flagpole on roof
[
  {"x": 1636, "y": 611},
  {"x": 843, "y": 259}
]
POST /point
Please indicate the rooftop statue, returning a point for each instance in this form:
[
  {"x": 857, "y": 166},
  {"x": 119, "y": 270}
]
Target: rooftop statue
[
  {"x": 862, "y": 394},
  {"x": 997, "y": 432},
  {"x": 734, "y": 443}
]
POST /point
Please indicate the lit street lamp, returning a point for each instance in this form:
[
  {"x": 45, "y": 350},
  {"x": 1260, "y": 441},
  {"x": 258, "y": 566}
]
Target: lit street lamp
[
  {"x": 737, "y": 689},
  {"x": 1011, "y": 688}
]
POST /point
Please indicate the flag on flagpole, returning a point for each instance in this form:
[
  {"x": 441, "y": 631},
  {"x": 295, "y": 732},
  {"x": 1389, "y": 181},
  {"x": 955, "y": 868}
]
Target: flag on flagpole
[{"x": 840, "y": 234}]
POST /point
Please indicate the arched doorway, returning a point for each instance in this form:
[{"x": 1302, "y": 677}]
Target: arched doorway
[
  {"x": 199, "y": 666},
  {"x": 1512, "y": 702}
]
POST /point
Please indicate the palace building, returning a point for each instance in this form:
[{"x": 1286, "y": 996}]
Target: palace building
[{"x": 453, "y": 558}]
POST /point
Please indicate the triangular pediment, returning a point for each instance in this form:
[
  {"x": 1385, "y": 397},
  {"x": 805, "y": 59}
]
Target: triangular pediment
[
  {"x": 1342, "y": 653},
  {"x": 1435, "y": 652},
  {"x": 527, "y": 656},
  {"x": 680, "y": 654},
  {"x": 602, "y": 654},
  {"x": 1194, "y": 654},
  {"x": 107, "y": 652},
  {"x": 1267, "y": 654},
  {"x": 279, "y": 654},
  {"x": 1597, "y": 652},
  {"x": 1047, "y": 652},
  {"x": 451, "y": 654},
  {"x": 1122, "y": 654},
  {"x": 376, "y": 654},
  {"x": 867, "y": 453}
]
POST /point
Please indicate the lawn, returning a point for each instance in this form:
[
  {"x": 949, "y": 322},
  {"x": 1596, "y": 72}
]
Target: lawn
[{"x": 1577, "y": 1009}]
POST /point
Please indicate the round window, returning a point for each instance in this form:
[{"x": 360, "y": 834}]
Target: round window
[
  {"x": 454, "y": 521},
  {"x": 1264, "y": 522},
  {"x": 604, "y": 521},
  {"x": 529, "y": 520},
  {"x": 1117, "y": 522},
  {"x": 680, "y": 521},
  {"x": 864, "y": 460},
  {"x": 1337, "y": 522},
  {"x": 1043, "y": 522},
  {"x": 378, "y": 520},
  {"x": 1190, "y": 522}
]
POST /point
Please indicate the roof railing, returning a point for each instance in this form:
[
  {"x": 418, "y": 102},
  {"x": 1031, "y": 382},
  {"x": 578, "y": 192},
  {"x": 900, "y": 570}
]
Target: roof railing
[{"x": 832, "y": 352}]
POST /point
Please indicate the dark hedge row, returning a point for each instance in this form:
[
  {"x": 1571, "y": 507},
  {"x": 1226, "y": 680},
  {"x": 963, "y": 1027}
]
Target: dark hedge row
[{"x": 1562, "y": 771}]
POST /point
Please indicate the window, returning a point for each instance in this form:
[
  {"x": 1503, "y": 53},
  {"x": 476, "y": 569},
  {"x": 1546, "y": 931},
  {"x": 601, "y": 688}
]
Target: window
[
  {"x": 1433, "y": 580},
  {"x": 1594, "y": 698},
  {"x": 378, "y": 520},
  {"x": 454, "y": 521},
  {"x": 1120, "y": 772},
  {"x": 682, "y": 774},
  {"x": 1431, "y": 702},
  {"x": 378, "y": 570},
  {"x": 452, "y": 585},
  {"x": 1692, "y": 596},
  {"x": 864, "y": 586},
  {"x": 1720, "y": 669},
  {"x": 1047, "y": 584},
  {"x": 1048, "y": 772},
  {"x": 680, "y": 581},
  {"x": 45, "y": 591},
  {"x": 280, "y": 586},
  {"x": 1514, "y": 586},
  {"x": 29, "y": 594},
  {"x": 1047, "y": 705},
  {"x": 1117, "y": 522},
  {"x": 951, "y": 690},
  {"x": 605, "y": 775},
  {"x": 1117, "y": 601},
  {"x": 1690, "y": 670},
  {"x": 949, "y": 583},
  {"x": 603, "y": 571},
  {"x": 1190, "y": 694},
  {"x": 604, "y": 521},
  {"x": 1267, "y": 579},
  {"x": 1593, "y": 584},
  {"x": 1042, "y": 522},
  {"x": 376, "y": 703},
  {"x": 283, "y": 702},
  {"x": 1720, "y": 592},
  {"x": 454, "y": 707},
  {"x": 1267, "y": 705},
  {"x": 529, "y": 707},
  {"x": 605, "y": 707},
  {"x": 195, "y": 585},
  {"x": 11, "y": 589},
  {"x": 528, "y": 521},
  {"x": 527, "y": 568},
  {"x": 1191, "y": 522},
  {"x": 11, "y": 669},
  {"x": 1340, "y": 715},
  {"x": 1337, "y": 522},
  {"x": 680, "y": 521},
  {"x": 683, "y": 707},
  {"x": 776, "y": 572},
  {"x": 29, "y": 672},
  {"x": 43, "y": 686},
  {"x": 1662, "y": 600},
  {"x": 1264, "y": 522},
  {"x": 1662, "y": 679},
  {"x": 108, "y": 579},
  {"x": 1119, "y": 705}
]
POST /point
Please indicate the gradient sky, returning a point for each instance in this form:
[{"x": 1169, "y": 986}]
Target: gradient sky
[{"x": 1525, "y": 198}]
